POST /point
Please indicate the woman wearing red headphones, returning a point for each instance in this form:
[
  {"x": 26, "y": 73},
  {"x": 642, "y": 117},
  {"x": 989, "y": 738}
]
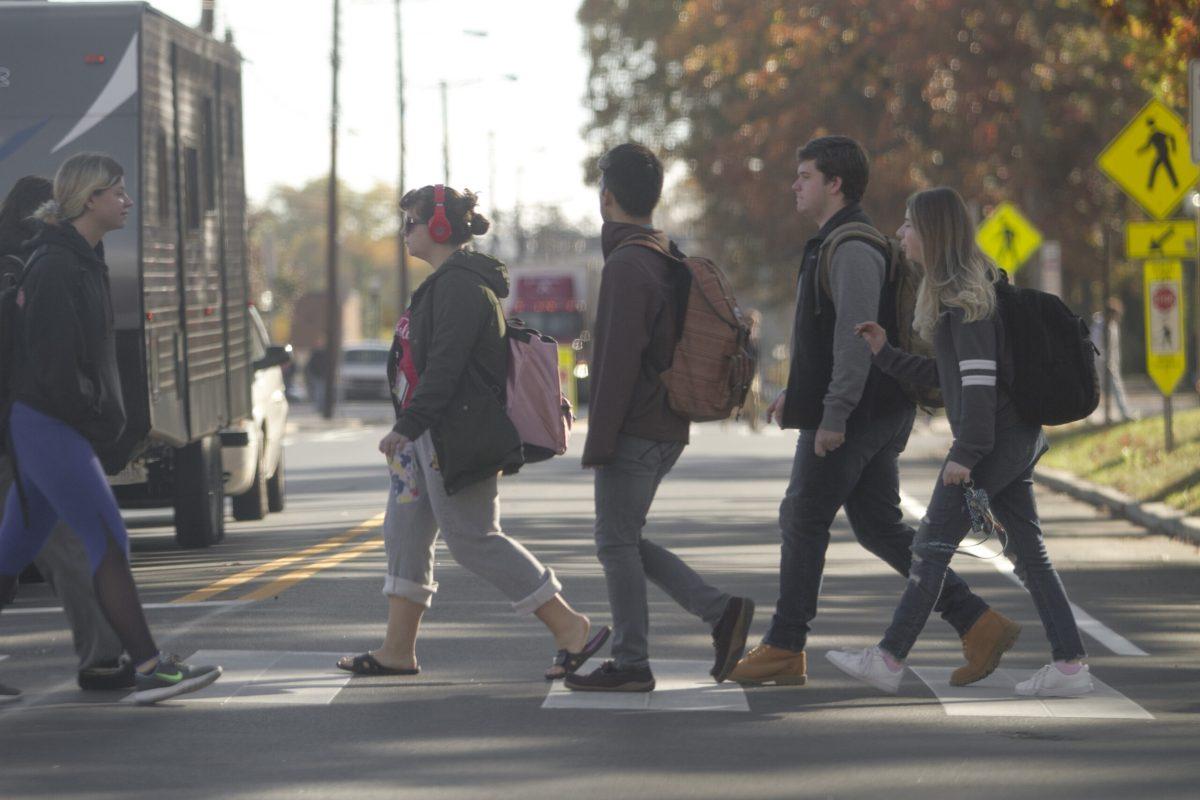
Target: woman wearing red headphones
[{"x": 451, "y": 439}]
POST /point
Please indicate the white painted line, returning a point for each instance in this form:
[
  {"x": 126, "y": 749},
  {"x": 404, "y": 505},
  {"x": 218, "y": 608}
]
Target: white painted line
[
  {"x": 996, "y": 696},
  {"x": 206, "y": 604},
  {"x": 269, "y": 678},
  {"x": 1093, "y": 627},
  {"x": 3, "y": 657},
  {"x": 679, "y": 686}
]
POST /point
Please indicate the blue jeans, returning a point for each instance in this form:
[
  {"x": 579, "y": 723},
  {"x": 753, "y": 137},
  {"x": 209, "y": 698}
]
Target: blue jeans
[
  {"x": 1006, "y": 474},
  {"x": 864, "y": 476}
]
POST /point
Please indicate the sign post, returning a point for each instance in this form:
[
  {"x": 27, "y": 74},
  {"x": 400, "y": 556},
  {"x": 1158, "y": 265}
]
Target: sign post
[
  {"x": 1194, "y": 106},
  {"x": 1008, "y": 238},
  {"x": 1166, "y": 352}
]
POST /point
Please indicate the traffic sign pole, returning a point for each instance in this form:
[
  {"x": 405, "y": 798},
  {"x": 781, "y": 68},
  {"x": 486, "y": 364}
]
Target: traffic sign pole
[{"x": 1166, "y": 337}]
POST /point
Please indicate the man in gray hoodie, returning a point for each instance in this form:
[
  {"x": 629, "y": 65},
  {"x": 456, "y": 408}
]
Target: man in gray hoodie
[{"x": 854, "y": 422}]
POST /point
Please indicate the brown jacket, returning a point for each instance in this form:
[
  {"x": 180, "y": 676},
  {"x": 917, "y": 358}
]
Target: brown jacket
[{"x": 634, "y": 339}]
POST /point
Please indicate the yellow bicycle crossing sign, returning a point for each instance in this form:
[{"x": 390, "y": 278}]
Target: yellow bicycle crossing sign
[
  {"x": 1149, "y": 160},
  {"x": 1008, "y": 238}
]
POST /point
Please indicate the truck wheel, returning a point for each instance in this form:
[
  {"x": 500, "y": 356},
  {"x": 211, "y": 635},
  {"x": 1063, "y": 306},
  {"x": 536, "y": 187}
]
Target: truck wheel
[
  {"x": 253, "y": 504},
  {"x": 199, "y": 494},
  {"x": 277, "y": 488}
]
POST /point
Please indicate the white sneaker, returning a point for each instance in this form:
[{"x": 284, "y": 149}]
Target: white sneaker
[
  {"x": 868, "y": 666},
  {"x": 1049, "y": 681}
]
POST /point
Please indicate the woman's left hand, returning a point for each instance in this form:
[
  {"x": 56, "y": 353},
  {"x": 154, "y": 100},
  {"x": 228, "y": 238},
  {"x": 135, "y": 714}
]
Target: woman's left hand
[
  {"x": 954, "y": 473},
  {"x": 389, "y": 444}
]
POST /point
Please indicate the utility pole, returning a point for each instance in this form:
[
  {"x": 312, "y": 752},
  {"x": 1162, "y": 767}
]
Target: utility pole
[
  {"x": 401, "y": 248},
  {"x": 444, "y": 87},
  {"x": 333, "y": 309}
]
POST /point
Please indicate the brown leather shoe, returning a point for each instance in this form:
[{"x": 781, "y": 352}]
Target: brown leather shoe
[
  {"x": 983, "y": 645},
  {"x": 768, "y": 664}
]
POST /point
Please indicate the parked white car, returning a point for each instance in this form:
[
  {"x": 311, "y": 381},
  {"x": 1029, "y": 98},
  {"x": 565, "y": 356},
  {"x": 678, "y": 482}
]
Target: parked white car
[
  {"x": 363, "y": 371},
  {"x": 254, "y": 472}
]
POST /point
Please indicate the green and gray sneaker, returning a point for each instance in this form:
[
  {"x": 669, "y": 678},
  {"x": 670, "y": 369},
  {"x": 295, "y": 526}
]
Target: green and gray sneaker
[{"x": 171, "y": 677}]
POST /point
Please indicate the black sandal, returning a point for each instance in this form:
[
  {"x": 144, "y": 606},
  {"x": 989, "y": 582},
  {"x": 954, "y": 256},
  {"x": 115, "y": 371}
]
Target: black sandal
[
  {"x": 570, "y": 662},
  {"x": 367, "y": 664}
]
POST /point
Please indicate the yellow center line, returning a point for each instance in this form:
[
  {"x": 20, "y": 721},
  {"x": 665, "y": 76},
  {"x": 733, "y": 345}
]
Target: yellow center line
[
  {"x": 304, "y": 573},
  {"x": 245, "y": 576}
]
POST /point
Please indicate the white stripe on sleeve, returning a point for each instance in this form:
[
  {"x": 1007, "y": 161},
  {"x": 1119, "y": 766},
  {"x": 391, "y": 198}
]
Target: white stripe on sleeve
[
  {"x": 979, "y": 380},
  {"x": 977, "y": 363}
]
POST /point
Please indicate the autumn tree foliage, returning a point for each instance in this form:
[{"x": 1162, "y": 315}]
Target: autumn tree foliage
[
  {"x": 1164, "y": 35},
  {"x": 1001, "y": 99}
]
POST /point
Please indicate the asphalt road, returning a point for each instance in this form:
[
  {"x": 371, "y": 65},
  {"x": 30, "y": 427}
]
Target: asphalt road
[{"x": 280, "y": 599}]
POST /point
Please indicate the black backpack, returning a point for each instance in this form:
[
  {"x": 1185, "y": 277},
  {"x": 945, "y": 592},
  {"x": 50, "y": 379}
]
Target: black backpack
[
  {"x": 12, "y": 274},
  {"x": 1054, "y": 377}
]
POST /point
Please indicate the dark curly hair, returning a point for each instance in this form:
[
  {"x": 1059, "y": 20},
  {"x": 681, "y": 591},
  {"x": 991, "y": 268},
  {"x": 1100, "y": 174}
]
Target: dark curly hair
[{"x": 465, "y": 222}]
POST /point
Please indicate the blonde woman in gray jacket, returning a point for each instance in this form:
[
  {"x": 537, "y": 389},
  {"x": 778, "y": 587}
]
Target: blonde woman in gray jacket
[{"x": 993, "y": 450}]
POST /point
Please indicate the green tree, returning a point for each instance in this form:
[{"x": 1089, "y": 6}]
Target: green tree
[{"x": 288, "y": 249}]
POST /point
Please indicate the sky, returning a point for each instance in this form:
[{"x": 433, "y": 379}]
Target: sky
[{"x": 537, "y": 119}]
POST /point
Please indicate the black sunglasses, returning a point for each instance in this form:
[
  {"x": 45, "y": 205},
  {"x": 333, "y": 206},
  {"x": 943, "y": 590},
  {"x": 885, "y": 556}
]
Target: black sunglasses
[{"x": 410, "y": 223}]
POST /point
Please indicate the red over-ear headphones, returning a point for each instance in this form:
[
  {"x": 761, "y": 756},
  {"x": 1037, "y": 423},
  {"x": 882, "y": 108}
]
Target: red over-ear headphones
[{"x": 439, "y": 226}]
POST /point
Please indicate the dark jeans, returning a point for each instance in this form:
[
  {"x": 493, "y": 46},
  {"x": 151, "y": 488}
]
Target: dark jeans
[
  {"x": 1006, "y": 474},
  {"x": 864, "y": 476},
  {"x": 625, "y": 489}
]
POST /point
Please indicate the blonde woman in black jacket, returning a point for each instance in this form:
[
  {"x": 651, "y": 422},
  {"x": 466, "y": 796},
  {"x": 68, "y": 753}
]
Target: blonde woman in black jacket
[
  {"x": 66, "y": 401},
  {"x": 993, "y": 450}
]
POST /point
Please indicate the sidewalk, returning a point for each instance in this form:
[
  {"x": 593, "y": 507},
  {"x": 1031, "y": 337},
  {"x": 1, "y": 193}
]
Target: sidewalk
[{"x": 1157, "y": 517}]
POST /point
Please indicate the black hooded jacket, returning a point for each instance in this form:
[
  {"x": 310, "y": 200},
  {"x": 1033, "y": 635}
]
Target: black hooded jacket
[
  {"x": 65, "y": 362},
  {"x": 457, "y": 336}
]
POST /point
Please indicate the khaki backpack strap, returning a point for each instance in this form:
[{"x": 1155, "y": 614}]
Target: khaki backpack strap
[{"x": 851, "y": 231}]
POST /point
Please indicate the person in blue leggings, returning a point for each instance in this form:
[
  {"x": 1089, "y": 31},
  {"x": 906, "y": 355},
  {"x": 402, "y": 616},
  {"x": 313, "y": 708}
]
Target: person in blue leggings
[{"x": 64, "y": 402}]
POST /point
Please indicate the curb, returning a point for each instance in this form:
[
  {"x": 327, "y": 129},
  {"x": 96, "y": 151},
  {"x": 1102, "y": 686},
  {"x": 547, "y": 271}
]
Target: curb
[{"x": 1156, "y": 517}]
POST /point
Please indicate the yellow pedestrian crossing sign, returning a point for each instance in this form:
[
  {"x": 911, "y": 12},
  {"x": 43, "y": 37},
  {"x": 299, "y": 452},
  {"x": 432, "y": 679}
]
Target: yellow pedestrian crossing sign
[
  {"x": 1174, "y": 238},
  {"x": 1008, "y": 238},
  {"x": 1149, "y": 160},
  {"x": 1166, "y": 356}
]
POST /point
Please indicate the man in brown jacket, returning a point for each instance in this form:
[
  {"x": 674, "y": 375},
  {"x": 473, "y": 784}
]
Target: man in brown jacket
[{"x": 634, "y": 438}]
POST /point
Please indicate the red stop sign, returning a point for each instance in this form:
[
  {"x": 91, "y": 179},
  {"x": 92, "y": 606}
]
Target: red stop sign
[{"x": 1164, "y": 298}]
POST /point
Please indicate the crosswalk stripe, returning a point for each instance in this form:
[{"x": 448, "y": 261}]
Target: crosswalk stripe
[
  {"x": 253, "y": 677},
  {"x": 1093, "y": 627},
  {"x": 995, "y": 696},
  {"x": 679, "y": 686},
  {"x": 174, "y": 604}
]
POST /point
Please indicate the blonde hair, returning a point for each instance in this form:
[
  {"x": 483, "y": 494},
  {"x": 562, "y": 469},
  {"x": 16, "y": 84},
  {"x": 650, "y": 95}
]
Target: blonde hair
[
  {"x": 957, "y": 273},
  {"x": 78, "y": 179}
]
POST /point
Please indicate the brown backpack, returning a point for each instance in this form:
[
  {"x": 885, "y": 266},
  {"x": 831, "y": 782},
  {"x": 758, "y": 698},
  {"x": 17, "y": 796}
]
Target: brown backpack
[
  {"x": 712, "y": 367},
  {"x": 902, "y": 281}
]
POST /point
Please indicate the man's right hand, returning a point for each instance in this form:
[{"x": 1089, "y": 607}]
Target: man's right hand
[{"x": 775, "y": 410}]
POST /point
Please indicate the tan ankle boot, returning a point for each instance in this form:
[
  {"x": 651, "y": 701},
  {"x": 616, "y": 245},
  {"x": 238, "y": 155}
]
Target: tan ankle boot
[
  {"x": 767, "y": 664},
  {"x": 983, "y": 645}
]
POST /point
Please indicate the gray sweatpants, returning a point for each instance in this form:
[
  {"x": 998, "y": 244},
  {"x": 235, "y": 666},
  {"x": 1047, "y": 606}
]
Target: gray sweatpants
[
  {"x": 64, "y": 564},
  {"x": 419, "y": 508}
]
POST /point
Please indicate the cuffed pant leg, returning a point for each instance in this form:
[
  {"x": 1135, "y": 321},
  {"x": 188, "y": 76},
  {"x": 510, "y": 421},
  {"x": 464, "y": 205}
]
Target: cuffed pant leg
[
  {"x": 469, "y": 521},
  {"x": 410, "y": 535}
]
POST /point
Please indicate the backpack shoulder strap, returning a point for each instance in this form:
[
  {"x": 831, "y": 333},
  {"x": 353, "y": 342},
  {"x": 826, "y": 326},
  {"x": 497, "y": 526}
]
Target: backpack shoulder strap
[{"x": 851, "y": 231}]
